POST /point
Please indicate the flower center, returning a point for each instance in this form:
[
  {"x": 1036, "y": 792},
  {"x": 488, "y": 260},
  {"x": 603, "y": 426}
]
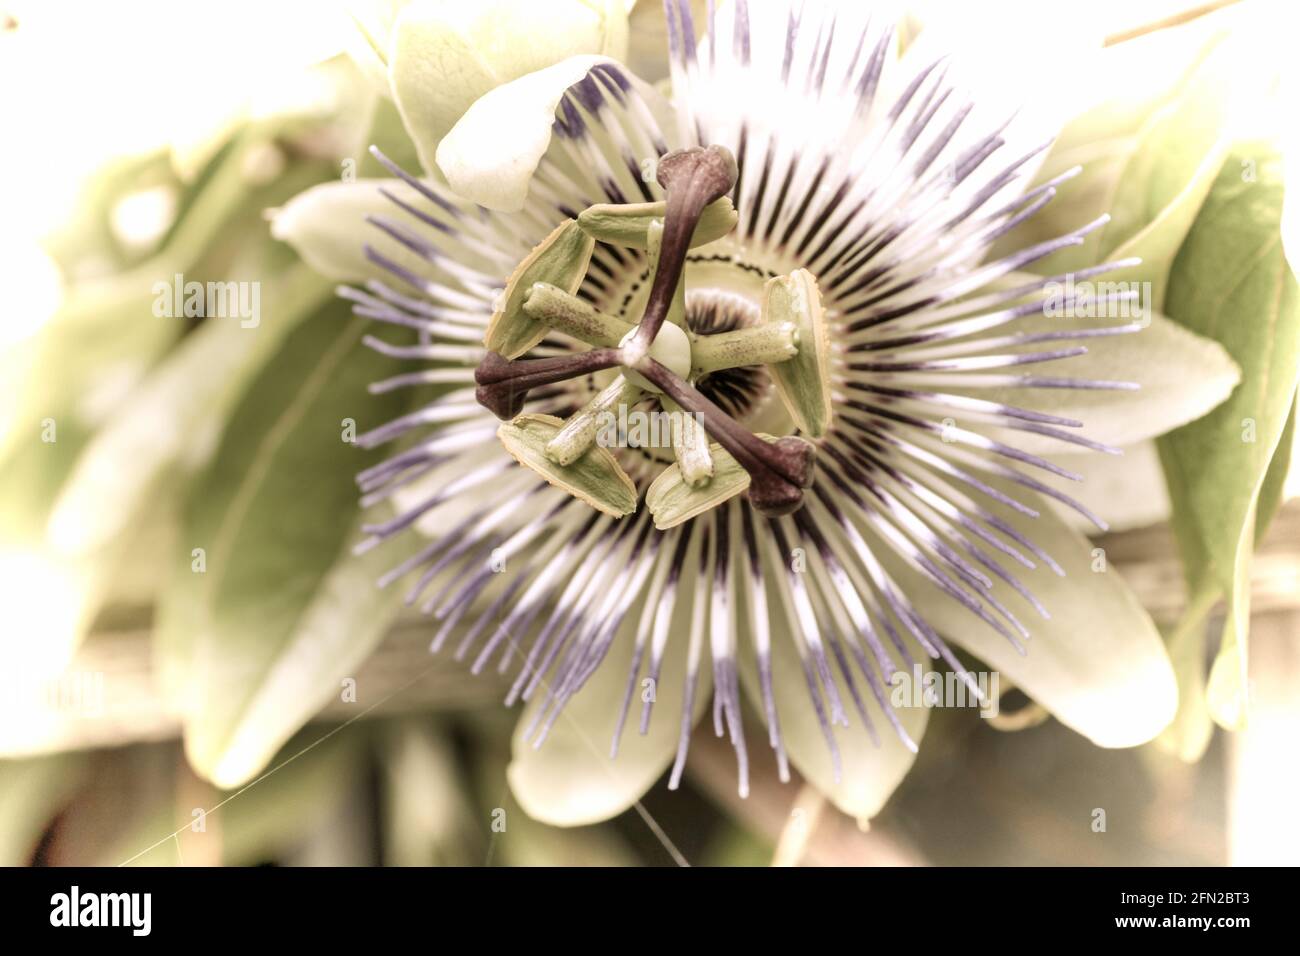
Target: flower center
[
  {"x": 670, "y": 348},
  {"x": 664, "y": 355}
]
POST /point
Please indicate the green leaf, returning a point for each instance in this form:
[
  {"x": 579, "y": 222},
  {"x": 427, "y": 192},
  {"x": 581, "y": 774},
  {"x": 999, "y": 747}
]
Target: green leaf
[
  {"x": 1270, "y": 493},
  {"x": 387, "y": 132},
  {"x": 159, "y": 424},
  {"x": 66, "y": 381},
  {"x": 287, "y": 810},
  {"x": 1189, "y": 735},
  {"x": 32, "y": 792},
  {"x": 1291, "y": 211},
  {"x": 282, "y": 611},
  {"x": 1149, "y": 149},
  {"x": 309, "y": 789},
  {"x": 1163, "y": 184},
  {"x": 1231, "y": 282},
  {"x": 99, "y": 355}
]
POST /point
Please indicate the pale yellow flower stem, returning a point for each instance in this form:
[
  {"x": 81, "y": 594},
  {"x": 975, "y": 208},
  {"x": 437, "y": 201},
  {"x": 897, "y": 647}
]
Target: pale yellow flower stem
[
  {"x": 1176, "y": 19},
  {"x": 798, "y": 831}
]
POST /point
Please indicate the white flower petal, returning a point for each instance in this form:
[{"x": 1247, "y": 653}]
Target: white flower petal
[
  {"x": 447, "y": 53},
  {"x": 1098, "y": 665},
  {"x": 326, "y": 226},
  {"x": 869, "y": 774},
  {"x": 1181, "y": 376},
  {"x": 989, "y": 51},
  {"x": 571, "y": 779},
  {"x": 1127, "y": 491},
  {"x": 489, "y": 157}
]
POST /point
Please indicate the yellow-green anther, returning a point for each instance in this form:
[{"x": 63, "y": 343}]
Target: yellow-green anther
[
  {"x": 672, "y": 499},
  {"x": 658, "y": 354},
  {"x": 561, "y": 259},
  {"x": 595, "y": 477},
  {"x": 580, "y": 431},
  {"x": 569, "y": 314},
  {"x": 765, "y": 344},
  {"x": 690, "y": 445},
  {"x": 780, "y": 469},
  {"x": 803, "y": 382},
  {"x": 626, "y": 225}
]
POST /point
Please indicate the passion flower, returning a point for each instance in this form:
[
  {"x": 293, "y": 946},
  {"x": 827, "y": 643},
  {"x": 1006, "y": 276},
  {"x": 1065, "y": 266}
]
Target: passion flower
[{"x": 792, "y": 252}]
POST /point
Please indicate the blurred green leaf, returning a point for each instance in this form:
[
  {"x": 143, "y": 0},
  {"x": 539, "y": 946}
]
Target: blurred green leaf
[
  {"x": 1270, "y": 492},
  {"x": 1231, "y": 282},
  {"x": 153, "y": 796},
  {"x": 1188, "y": 736},
  {"x": 164, "y": 421},
  {"x": 1156, "y": 198},
  {"x": 510, "y": 837},
  {"x": 735, "y": 845},
  {"x": 283, "y": 611},
  {"x": 105, "y": 338},
  {"x": 31, "y": 793},
  {"x": 67, "y": 377},
  {"x": 1149, "y": 150},
  {"x": 388, "y": 133},
  {"x": 427, "y": 812},
  {"x": 287, "y": 809}
]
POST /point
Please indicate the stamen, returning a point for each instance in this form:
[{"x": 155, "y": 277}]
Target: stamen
[
  {"x": 690, "y": 446},
  {"x": 764, "y": 344},
  {"x": 568, "y": 314},
  {"x": 695, "y": 181},
  {"x": 779, "y": 471},
  {"x": 580, "y": 430}
]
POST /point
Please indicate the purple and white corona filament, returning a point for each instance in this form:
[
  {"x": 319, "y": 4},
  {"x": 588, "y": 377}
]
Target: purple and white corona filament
[{"x": 871, "y": 192}]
